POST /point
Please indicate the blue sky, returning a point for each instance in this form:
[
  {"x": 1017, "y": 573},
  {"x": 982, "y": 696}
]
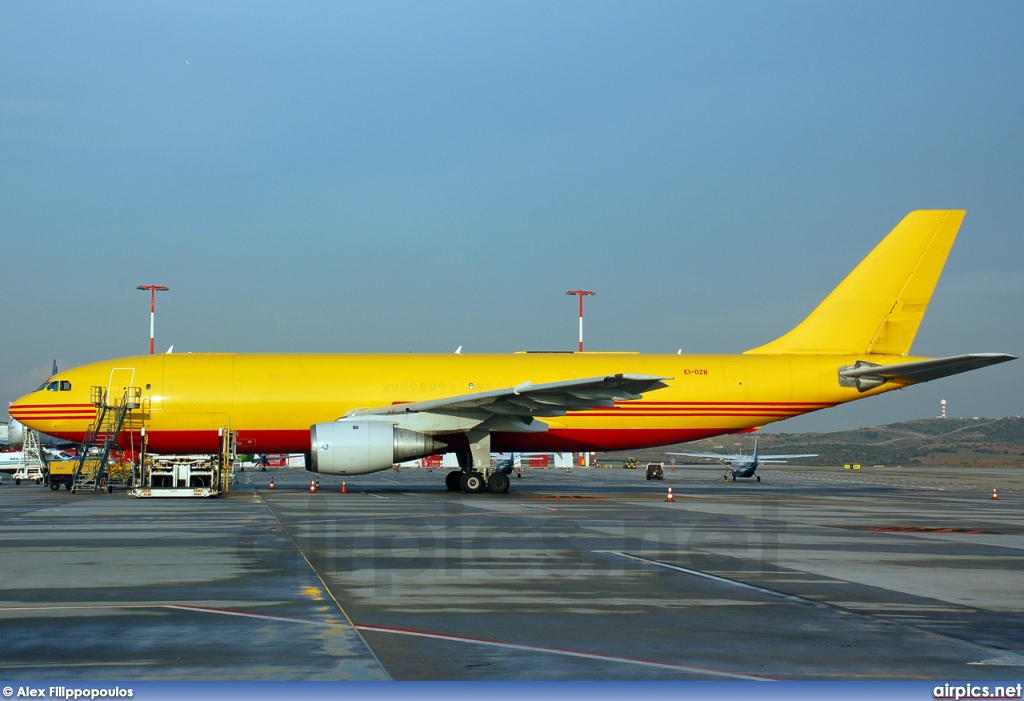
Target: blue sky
[{"x": 412, "y": 176}]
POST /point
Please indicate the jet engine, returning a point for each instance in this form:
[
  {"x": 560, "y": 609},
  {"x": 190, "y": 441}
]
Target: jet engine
[
  {"x": 361, "y": 446},
  {"x": 15, "y": 434}
]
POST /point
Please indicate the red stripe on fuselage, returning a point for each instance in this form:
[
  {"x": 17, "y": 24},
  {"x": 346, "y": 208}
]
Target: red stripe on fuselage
[
  {"x": 50, "y": 406},
  {"x": 556, "y": 440}
]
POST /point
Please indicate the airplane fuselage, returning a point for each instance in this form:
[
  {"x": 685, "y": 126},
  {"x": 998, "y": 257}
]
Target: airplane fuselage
[{"x": 272, "y": 400}]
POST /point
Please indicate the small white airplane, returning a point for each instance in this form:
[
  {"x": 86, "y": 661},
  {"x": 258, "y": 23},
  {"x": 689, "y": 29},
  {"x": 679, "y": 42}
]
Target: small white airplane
[
  {"x": 745, "y": 465},
  {"x": 14, "y": 460}
]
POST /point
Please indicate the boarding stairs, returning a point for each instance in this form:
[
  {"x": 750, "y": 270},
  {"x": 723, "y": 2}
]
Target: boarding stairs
[
  {"x": 33, "y": 465},
  {"x": 95, "y": 470}
]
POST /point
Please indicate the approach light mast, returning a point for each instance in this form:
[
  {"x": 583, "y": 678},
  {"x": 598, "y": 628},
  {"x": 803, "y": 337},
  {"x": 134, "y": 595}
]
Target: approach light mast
[
  {"x": 581, "y": 294},
  {"x": 152, "y": 310}
]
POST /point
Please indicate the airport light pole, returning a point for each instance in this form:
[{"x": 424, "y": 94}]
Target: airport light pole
[
  {"x": 152, "y": 310},
  {"x": 581, "y": 294}
]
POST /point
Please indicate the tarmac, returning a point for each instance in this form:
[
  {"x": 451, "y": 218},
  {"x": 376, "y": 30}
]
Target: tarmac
[{"x": 815, "y": 573}]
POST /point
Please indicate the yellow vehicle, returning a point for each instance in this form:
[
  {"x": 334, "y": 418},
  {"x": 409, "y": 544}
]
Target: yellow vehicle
[
  {"x": 355, "y": 414},
  {"x": 61, "y": 472},
  {"x": 629, "y": 464}
]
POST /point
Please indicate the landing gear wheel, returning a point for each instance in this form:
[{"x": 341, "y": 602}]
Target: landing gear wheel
[
  {"x": 758, "y": 477},
  {"x": 453, "y": 480},
  {"x": 499, "y": 483},
  {"x": 472, "y": 482}
]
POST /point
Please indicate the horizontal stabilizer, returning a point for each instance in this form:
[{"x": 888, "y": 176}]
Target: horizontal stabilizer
[{"x": 867, "y": 375}]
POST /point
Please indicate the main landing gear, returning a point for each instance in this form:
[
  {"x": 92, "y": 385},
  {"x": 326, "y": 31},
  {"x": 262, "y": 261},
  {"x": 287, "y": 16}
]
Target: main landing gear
[
  {"x": 474, "y": 482},
  {"x": 475, "y": 473}
]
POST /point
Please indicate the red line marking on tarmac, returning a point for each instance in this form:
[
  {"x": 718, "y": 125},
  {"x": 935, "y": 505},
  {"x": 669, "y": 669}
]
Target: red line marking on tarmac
[
  {"x": 413, "y": 633},
  {"x": 567, "y": 653}
]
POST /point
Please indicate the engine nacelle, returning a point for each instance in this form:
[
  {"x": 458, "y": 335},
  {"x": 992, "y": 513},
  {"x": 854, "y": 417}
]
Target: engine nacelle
[
  {"x": 15, "y": 434},
  {"x": 360, "y": 446}
]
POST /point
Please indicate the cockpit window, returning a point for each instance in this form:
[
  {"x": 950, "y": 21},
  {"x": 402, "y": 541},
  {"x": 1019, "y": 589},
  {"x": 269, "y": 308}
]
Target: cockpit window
[
  {"x": 53, "y": 386},
  {"x": 65, "y": 386}
]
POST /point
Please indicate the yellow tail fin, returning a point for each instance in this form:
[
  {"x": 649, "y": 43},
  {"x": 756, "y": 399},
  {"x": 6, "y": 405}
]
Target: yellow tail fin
[{"x": 879, "y": 306}]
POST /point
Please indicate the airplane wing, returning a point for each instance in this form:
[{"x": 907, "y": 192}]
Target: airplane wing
[
  {"x": 714, "y": 456},
  {"x": 867, "y": 375},
  {"x": 747, "y": 458},
  {"x": 527, "y": 400}
]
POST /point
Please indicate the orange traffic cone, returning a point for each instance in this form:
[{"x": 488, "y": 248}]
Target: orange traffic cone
[
  {"x": 271, "y": 482},
  {"x": 344, "y": 488},
  {"x": 670, "y": 497},
  {"x": 312, "y": 486},
  {"x": 994, "y": 495}
]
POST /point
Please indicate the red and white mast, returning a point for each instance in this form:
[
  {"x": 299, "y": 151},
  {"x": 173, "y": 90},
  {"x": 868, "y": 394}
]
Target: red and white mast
[
  {"x": 152, "y": 310},
  {"x": 581, "y": 294}
]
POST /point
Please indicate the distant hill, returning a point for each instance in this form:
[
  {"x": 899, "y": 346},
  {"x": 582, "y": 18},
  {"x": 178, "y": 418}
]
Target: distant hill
[{"x": 958, "y": 442}]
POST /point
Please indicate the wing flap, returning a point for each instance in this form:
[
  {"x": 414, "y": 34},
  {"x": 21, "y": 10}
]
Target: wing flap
[{"x": 527, "y": 400}]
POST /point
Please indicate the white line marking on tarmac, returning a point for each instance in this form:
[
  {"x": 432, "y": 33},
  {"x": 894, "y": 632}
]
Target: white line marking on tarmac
[
  {"x": 566, "y": 653},
  {"x": 402, "y": 631},
  {"x": 714, "y": 578},
  {"x": 65, "y": 663},
  {"x": 246, "y": 614},
  {"x": 532, "y": 506},
  {"x": 413, "y": 633},
  {"x": 179, "y": 607}
]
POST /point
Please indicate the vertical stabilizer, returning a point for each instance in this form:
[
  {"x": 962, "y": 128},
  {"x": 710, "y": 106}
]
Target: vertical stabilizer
[{"x": 879, "y": 306}]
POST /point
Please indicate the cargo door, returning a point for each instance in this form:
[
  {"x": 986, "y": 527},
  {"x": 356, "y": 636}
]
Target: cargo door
[
  {"x": 120, "y": 380},
  {"x": 733, "y": 372}
]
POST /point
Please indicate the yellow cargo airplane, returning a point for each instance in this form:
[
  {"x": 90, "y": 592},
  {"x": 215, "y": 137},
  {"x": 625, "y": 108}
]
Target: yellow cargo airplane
[{"x": 354, "y": 414}]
